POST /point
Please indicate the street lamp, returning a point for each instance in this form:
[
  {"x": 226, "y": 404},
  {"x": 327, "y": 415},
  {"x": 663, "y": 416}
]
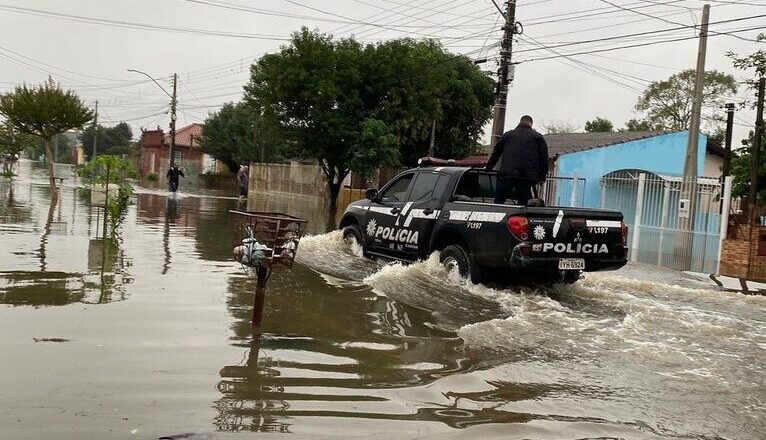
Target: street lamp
[{"x": 172, "y": 111}]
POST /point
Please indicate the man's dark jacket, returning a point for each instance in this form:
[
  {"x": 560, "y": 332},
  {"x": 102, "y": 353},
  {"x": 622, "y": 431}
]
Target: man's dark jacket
[
  {"x": 173, "y": 174},
  {"x": 524, "y": 155}
]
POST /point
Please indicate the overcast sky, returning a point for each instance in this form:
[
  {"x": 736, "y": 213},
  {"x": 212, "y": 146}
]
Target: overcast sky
[{"x": 87, "y": 45}]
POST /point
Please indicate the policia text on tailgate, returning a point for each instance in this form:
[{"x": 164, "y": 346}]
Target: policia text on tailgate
[{"x": 450, "y": 210}]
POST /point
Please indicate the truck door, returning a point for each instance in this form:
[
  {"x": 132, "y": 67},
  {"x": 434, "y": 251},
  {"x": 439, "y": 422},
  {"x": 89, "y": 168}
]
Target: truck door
[
  {"x": 382, "y": 231},
  {"x": 419, "y": 216}
]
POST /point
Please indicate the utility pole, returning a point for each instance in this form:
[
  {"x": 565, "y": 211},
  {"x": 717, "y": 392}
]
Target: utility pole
[
  {"x": 755, "y": 156},
  {"x": 95, "y": 133},
  {"x": 689, "y": 183},
  {"x": 431, "y": 151},
  {"x": 501, "y": 90},
  {"x": 173, "y": 122},
  {"x": 729, "y": 128}
]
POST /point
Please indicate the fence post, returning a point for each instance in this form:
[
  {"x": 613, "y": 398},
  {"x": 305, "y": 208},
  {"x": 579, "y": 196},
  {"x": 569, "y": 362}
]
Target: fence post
[
  {"x": 573, "y": 197},
  {"x": 603, "y": 193},
  {"x": 724, "y": 226},
  {"x": 639, "y": 214},
  {"x": 664, "y": 220}
]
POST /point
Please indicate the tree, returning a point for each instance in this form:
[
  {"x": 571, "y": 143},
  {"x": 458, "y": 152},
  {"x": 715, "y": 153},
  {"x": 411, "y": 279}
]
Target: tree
[
  {"x": 668, "y": 103},
  {"x": 599, "y": 125},
  {"x": 355, "y": 108},
  {"x": 557, "y": 126},
  {"x": 12, "y": 143},
  {"x": 636, "y": 125},
  {"x": 44, "y": 111},
  {"x": 756, "y": 61},
  {"x": 236, "y": 135},
  {"x": 115, "y": 140},
  {"x": 740, "y": 168}
]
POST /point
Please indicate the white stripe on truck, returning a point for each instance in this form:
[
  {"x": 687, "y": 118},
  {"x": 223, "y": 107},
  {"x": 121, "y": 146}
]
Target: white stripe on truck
[{"x": 603, "y": 223}]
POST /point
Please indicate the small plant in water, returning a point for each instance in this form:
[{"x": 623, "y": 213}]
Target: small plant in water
[
  {"x": 106, "y": 170},
  {"x": 152, "y": 177}
]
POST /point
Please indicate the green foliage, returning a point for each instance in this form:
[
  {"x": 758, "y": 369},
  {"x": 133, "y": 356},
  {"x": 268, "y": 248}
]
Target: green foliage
[
  {"x": 638, "y": 125},
  {"x": 45, "y": 110},
  {"x": 755, "y": 61},
  {"x": 153, "y": 177},
  {"x": 354, "y": 108},
  {"x": 599, "y": 125},
  {"x": 741, "y": 169},
  {"x": 668, "y": 103},
  {"x": 236, "y": 135},
  {"x": 557, "y": 126},
  {"x": 12, "y": 143},
  {"x": 111, "y": 169},
  {"x": 326, "y": 97},
  {"x": 113, "y": 141}
]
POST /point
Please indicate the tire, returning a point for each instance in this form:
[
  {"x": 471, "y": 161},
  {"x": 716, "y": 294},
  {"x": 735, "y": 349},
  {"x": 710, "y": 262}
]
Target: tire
[
  {"x": 455, "y": 257},
  {"x": 353, "y": 232},
  {"x": 571, "y": 276}
]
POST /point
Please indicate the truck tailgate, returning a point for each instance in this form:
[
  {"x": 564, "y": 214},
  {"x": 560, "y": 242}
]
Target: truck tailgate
[{"x": 575, "y": 232}]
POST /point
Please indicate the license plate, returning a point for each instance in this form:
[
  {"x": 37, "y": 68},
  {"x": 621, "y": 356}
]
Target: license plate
[{"x": 571, "y": 264}]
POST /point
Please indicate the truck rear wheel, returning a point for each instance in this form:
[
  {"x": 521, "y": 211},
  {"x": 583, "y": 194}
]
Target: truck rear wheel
[
  {"x": 455, "y": 257},
  {"x": 570, "y": 276}
]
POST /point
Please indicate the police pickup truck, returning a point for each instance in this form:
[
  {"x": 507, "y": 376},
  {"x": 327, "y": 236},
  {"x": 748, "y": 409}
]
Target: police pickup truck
[{"x": 451, "y": 210}]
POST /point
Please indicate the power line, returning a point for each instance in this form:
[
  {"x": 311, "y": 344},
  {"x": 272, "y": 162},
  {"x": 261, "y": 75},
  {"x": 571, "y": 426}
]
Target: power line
[
  {"x": 637, "y": 34},
  {"x": 609, "y": 49},
  {"x": 142, "y": 26},
  {"x": 662, "y": 19}
]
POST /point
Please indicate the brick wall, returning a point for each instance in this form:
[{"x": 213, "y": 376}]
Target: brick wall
[{"x": 740, "y": 254}]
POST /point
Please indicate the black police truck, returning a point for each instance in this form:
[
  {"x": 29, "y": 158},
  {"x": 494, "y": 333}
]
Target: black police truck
[{"x": 451, "y": 210}]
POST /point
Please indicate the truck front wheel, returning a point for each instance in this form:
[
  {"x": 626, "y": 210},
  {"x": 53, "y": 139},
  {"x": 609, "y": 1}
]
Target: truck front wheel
[
  {"x": 455, "y": 257},
  {"x": 352, "y": 236}
]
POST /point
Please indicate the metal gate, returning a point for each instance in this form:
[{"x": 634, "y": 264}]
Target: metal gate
[{"x": 665, "y": 229}]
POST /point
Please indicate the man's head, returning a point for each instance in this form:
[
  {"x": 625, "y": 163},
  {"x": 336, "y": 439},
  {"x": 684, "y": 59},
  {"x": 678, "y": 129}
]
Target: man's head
[{"x": 526, "y": 121}]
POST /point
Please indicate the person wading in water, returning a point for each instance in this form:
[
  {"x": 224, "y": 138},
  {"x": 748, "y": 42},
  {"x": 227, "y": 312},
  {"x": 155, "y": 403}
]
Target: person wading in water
[{"x": 173, "y": 174}]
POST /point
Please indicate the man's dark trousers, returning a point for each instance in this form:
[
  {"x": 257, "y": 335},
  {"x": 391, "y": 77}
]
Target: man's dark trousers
[{"x": 520, "y": 190}]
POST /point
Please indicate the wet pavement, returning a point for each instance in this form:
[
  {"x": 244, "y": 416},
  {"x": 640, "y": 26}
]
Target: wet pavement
[{"x": 149, "y": 335}]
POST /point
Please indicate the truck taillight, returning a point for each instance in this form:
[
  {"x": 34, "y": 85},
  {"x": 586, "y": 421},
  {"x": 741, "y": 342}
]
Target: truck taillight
[
  {"x": 624, "y": 233},
  {"x": 519, "y": 227}
]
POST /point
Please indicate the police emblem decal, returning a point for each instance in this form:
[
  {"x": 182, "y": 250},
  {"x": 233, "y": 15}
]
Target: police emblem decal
[{"x": 539, "y": 232}]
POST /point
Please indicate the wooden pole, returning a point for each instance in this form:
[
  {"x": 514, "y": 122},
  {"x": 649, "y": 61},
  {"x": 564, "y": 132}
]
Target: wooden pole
[{"x": 260, "y": 295}]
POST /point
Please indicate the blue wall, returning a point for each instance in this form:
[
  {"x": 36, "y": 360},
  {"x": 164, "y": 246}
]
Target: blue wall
[{"x": 662, "y": 154}]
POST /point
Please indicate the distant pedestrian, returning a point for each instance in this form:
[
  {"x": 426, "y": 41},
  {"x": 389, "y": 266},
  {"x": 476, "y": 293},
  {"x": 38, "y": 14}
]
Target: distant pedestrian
[
  {"x": 243, "y": 179},
  {"x": 173, "y": 174},
  {"x": 524, "y": 162}
]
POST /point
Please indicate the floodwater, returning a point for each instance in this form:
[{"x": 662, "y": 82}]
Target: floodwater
[{"x": 149, "y": 336}]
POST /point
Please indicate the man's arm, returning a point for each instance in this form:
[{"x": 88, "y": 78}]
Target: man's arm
[
  {"x": 181, "y": 172},
  {"x": 542, "y": 150},
  {"x": 496, "y": 153},
  {"x": 167, "y": 174}
]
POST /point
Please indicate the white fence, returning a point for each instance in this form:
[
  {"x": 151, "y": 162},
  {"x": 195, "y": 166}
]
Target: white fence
[{"x": 672, "y": 223}]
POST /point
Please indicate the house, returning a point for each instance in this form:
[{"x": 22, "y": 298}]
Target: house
[
  {"x": 155, "y": 151},
  {"x": 639, "y": 174}
]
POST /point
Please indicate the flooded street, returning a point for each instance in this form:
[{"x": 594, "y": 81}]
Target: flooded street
[{"x": 151, "y": 336}]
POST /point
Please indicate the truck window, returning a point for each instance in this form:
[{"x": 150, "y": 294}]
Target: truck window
[
  {"x": 476, "y": 187},
  {"x": 397, "y": 191},
  {"x": 428, "y": 186}
]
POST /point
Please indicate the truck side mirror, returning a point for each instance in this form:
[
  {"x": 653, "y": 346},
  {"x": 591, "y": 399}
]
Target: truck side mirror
[{"x": 371, "y": 193}]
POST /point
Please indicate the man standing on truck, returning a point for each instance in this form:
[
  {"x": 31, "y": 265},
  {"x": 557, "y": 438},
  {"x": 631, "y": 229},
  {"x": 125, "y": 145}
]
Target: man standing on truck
[{"x": 524, "y": 162}]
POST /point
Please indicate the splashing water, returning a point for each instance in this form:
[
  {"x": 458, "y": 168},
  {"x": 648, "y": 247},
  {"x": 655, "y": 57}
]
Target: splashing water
[{"x": 677, "y": 337}]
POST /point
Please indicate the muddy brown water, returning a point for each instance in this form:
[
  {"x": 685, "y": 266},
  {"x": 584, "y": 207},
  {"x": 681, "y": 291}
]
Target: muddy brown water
[{"x": 150, "y": 336}]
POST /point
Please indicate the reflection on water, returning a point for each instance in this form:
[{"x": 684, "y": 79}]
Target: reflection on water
[{"x": 350, "y": 348}]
